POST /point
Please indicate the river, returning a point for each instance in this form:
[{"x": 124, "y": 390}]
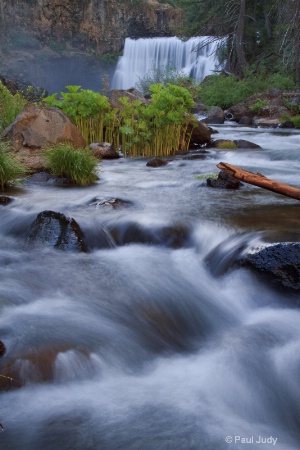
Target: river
[{"x": 139, "y": 346}]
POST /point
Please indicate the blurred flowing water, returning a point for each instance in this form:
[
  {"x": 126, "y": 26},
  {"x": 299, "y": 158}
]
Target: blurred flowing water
[{"x": 137, "y": 344}]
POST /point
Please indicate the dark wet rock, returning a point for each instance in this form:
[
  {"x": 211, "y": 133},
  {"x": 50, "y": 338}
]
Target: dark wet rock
[
  {"x": 199, "y": 108},
  {"x": 5, "y": 200},
  {"x": 156, "y": 162},
  {"x": 278, "y": 263},
  {"x": 201, "y": 134},
  {"x": 57, "y": 231},
  {"x": 177, "y": 235},
  {"x": 110, "y": 201},
  {"x": 104, "y": 150},
  {"x": 287, "y": 124},
  {"x": 241, "y": 143},
  {"x": 245, "y": 120},
  {"x": 224, "y": 181},
  {"x": 215, "y": 115},
  {"x": 32, "y": 93},
  {"x": 2, "y": 348},
  {"x": 192, "y": 156},
  {"x": 47, "y": 178}
]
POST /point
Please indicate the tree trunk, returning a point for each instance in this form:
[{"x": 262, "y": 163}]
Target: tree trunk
[
  {"x": 239, "y": 40},
  {"x": 260, "y": 180}
]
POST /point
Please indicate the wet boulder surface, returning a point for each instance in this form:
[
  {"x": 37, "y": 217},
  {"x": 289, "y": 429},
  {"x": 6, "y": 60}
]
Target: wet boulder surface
[
  {"x": 58, "y": 231},
  {"x": 279, "y": 263}
]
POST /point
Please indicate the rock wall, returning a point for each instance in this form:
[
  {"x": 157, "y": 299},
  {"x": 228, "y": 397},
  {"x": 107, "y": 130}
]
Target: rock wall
[{"x": 86, "y": 25}]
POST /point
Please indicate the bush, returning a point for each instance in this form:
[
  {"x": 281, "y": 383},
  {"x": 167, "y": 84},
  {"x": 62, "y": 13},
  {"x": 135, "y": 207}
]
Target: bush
[
  {"x": 78, "y": 165},
  {"x": 225, "y": 91},
  {"x": 10, "y": 106},
  {"x": 10, "y": 169}
]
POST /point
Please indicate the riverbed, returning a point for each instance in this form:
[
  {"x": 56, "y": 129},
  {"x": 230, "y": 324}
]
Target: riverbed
[{"x": 145, "y": 347}]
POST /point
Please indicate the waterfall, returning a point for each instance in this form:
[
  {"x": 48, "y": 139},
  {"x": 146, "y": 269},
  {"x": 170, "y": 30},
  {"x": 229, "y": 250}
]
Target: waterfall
[{"x": 141, "y": 55}]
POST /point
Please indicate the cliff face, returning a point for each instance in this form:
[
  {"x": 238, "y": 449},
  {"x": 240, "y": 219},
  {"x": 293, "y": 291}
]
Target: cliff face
[{"x": 97, "y": 25}]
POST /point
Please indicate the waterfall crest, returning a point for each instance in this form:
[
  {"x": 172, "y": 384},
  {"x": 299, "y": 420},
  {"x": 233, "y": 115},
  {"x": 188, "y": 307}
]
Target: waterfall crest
[{"x": 143, "y": 54}]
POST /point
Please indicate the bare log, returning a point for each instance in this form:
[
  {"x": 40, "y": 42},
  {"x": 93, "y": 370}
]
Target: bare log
[{"x": 260, "y": 180}]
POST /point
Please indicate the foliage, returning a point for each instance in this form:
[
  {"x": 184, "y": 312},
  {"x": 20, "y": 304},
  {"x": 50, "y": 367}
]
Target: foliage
[
  {"x": 86, "y": 108},
  {"x": 258, "y": 105},
  {"x": 296, "y": 121},
  {"x": 226, "y": 145},
  {"x": 10, "y": 169},
  {"x": 10, "y": 106},
  {"x": 78, "y": 165},
  {"x": 161, "y": 74},
  {"x": 207, "y": 175},
  {"x": 225, "y": 91},
  {"x": 155, "y": 129}
]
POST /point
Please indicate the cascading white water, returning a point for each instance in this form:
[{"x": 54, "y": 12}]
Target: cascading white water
[{"x": 141, "y": 55}]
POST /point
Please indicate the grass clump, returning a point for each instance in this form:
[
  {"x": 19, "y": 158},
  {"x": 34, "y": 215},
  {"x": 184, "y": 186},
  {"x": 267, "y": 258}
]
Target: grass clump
[
  {"x": 10, "y": 169},
  {"x": 296, "y": 121},
  {"x": 78, "y": 165},
  {"x": 226, "y": 145},
  {"x": 10, "y": 106},
  {"x": 204, "y": 176}
]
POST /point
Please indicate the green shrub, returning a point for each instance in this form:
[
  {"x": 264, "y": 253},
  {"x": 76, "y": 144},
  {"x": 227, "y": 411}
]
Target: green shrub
[
  {"x": 296, "y": 120},
  {"x": 10, "y": 106},
  {"x": 207, "y": 175},
  {"x": 225, "y": 91},
  {"x": 78, "y": 165},
  {"x": 259, "y": 105},
  {"x": 226, "y": 145},
  {"x": 10, "y": 169}
]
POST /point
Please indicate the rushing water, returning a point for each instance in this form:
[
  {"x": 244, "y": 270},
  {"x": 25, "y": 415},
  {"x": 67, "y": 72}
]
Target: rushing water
[
  {"x": 141, "y": 346},
  {"x": 143, "y": 55}
]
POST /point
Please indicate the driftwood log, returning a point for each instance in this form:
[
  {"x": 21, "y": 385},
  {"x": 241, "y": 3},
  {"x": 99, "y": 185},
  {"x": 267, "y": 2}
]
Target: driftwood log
[{"x": 260, "y": 180}]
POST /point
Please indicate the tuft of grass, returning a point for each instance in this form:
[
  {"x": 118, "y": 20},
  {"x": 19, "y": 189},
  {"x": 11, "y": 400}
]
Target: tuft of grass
[
  {"x": 226, "y": 145},
  {"x": 10, "y": 169},
  {"x": 10, "y": 106},
  {"x": 78, "y": 165},
  {"x": 296, "y": 120},
  {"x": 207, "y": 175}
]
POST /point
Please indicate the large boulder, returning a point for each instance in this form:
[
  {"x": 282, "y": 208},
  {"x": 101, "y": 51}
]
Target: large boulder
[
  {"x": 103, "y": 150},
  {"x": 278, "y": 263},
  {"x": 201, "y": 134},
  {"x": 132, "y": 95},
  {"x": 40, "y": 127},
  {"x": 55, "y": 230},
  {"x": 215, "y": 115}
]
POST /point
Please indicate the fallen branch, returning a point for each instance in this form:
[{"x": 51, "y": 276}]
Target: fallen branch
[{"x": 260, "y": 180}]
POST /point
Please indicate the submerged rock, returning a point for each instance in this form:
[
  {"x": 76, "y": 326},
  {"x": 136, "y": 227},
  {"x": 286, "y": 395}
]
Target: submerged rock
[
  {"x": 5, "y": 200},
  {"x": 173, "y": 236},
  {"x": 279, "y": 263},
  {"x": 57, "y": 231},
  {"x": 156, "y": 162},
  {"x": 110, "y": 201}
]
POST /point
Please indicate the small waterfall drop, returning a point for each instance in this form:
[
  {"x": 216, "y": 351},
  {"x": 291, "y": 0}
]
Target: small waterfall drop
[{"x": 141, "y": 55}]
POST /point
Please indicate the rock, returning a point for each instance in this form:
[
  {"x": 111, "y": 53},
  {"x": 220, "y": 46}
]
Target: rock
[
  {"x": 2, "y": 348},
  {"x": 5, "y": 200},
  {"x": 215, "y": 115},
  {"x": 36, "y": 128},
  {"x": 223, "y": 144},
  {"x": 57, "y": 231},
  {"x": 287, "y": 124},
  {"x": 199, "y": 108},
  {"x": 241, "y": 143},
  {"x": 279, "y": 263},
  {"x": 172, "y": 236},
  {"x": 245, "y": 120},
  {"x": 224, "y": 181},
  {"x": 201, "y": 134},
  {"x": 156, "y": 162},
  {"x": 114, "y": 202},
  {"x": 32, "y": 93},
  {"x": 272, "y": 106},
  {"x": 132, "y": 95},
  {"x": 266, "y": 122},
  {"x": 103, "y": 150},
  {"x": 47, "y": 178}
]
